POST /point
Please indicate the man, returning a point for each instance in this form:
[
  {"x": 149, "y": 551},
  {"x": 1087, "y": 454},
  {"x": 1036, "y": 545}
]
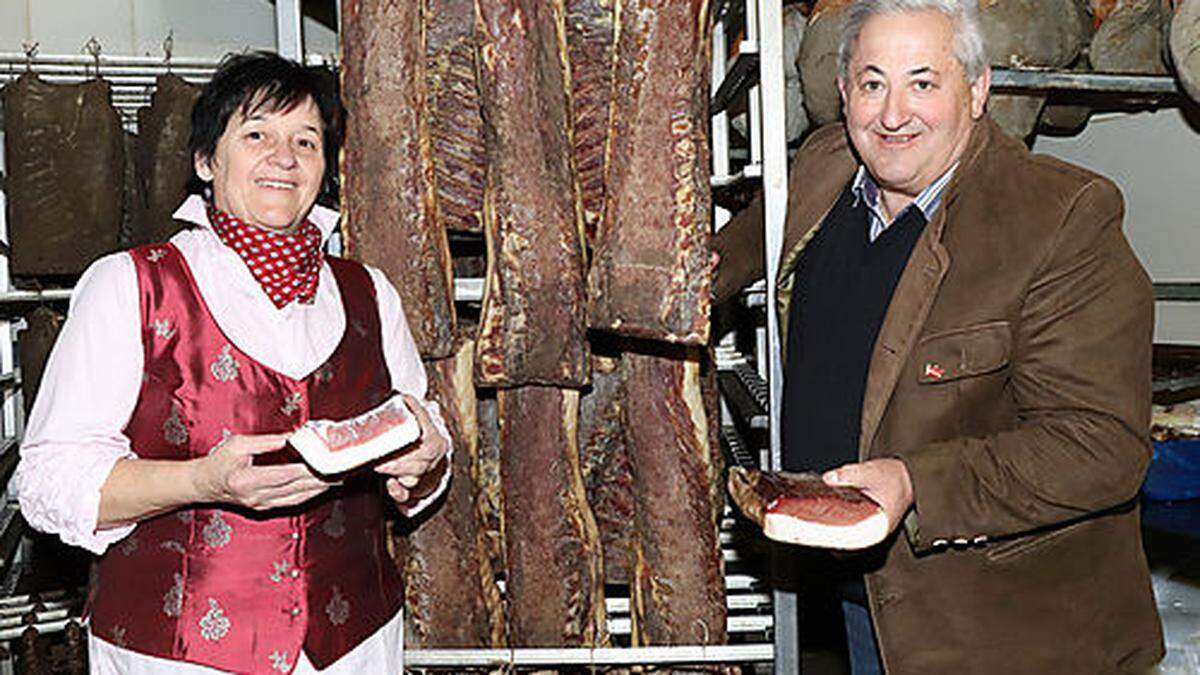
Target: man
[{"x": 968, "y": 340}]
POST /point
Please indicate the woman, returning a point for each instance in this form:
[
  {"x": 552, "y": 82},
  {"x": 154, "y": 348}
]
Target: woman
[{"x": 181, "y": 362}]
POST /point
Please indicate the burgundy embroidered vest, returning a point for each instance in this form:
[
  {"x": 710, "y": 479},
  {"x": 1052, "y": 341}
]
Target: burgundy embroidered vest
[{"x": 234, "y": 589}]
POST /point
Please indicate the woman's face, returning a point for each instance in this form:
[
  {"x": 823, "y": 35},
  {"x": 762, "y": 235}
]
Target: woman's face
[{"x": 267, "y": 168}]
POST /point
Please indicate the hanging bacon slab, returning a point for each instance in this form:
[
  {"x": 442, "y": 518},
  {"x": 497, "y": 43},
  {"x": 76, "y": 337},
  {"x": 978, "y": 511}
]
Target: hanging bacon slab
[
  {"x": 164, "y": 164},
  {"x": 387, "y": 169},
  {"x": 455, "y": 126},
  {"x": 818, "y": 61},
  {"x": 532, "y": 328},
  {"x": 590, "y": 45},
  {"x": 451, "y": 597},
  {"x": 605, "y": 462},
  {"x": 679, "y": 592},
  {"x": 651, "y": 274},
  {"x": 555, "y": 578},
  {"x": 1130, "y": 39},
  {"x": 487, "y": 477},
  {"x": 1185, "y": 35},
  {"x": 65, "y": 154}
]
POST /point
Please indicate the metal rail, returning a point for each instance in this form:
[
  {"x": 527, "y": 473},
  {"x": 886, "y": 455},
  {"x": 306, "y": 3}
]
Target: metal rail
[
  {"x": 599, "y": 656},
  {"x": 1065, "y": 80}
]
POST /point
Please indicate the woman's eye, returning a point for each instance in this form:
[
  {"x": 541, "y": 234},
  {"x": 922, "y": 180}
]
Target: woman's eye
[
  {"x": 308, "y": 144},
  {"x": 254, "y": 135}
]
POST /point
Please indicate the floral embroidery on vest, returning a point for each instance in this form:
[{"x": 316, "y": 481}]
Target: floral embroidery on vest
[
  {"x": 338, "y": 608},
  {"x": 155, "y": 254},
  {"x": 214, "y": 625},
  {"x": 118, "y": 636},
  {"x": 174, "y": 430},
  {"x": 217, "y": 532},
  {"x": 324, "y": 374},
  {"x": 225, "y": 434},
  {"x": 173, "y": 599},
  {"x": 225, "y": 368},
  {"x": 335, "y": 524},
  {"x": 279, "y": 661},
  {"x": 291, "y": 404},
  {"x": 281, "y": 568},
  {"x": 174, "y": 546},
  {"x": 163, "y": 328},
  {"x": 184, "y": 516}
]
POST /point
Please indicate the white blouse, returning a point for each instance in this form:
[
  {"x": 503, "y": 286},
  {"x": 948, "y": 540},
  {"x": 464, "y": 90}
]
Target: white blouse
[{"x": 94, "y": 373}]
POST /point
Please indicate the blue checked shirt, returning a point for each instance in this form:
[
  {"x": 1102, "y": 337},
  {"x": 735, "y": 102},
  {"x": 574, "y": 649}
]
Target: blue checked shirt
[{"x": 866, "y": 190}]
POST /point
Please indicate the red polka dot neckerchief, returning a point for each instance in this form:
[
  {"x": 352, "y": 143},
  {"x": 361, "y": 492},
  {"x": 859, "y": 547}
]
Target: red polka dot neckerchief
[{"x": 286, "y": 264}]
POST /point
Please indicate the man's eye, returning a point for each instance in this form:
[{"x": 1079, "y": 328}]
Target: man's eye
[
  {"x": 923, "y": 85},
  {"x": 872, "y": 85}
]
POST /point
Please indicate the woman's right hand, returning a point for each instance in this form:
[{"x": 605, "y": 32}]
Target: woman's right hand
[{"x": 228, "y": 475}]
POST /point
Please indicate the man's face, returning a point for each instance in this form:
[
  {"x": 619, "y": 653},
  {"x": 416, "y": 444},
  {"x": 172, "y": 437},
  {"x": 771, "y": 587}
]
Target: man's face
[{"x": 909, "y": 108}]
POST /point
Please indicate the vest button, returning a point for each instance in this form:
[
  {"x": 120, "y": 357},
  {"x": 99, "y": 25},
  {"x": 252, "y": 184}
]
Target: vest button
[
  {"x": 295, "y": 611},
  {"x": 294, "y": 536},
  {"x": 295, "y": 573}
]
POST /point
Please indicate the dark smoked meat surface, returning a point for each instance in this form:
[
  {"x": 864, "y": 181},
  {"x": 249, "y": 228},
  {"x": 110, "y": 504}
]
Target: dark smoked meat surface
[
  {"x": 651, "y": 275},
  {"x": 64, "y": 158},
  {"x": 804, "y": 496},
  {"x": 533, "y": 325},
  {"x": 164, "y": 164},
  {"x": 387, "y": 172},
  {"x": 590, "y": 44}
]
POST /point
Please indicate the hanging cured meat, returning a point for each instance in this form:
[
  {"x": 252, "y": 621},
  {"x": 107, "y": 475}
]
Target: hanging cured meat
[
  {"x": 1185, "y": 36},
  {"x": 795, "y": 118},
  {"x": 33, "y": 348},
  {"x": 1021, "y": 34},
  {"x": 455, "y": 127},
  {"x": 554, "y": 579},
  {"x": 818, "y": 61},
  {"x": 1130, "y": 40},
  {"x": 131, "y": 203},
  {"x": 486, "y": 477},
  {"x": 651, "y": 274},
  {"x": 679, "y": 591},
  {"x": 164, "y": 164},
  {"x": 65, "y": 156},
  {"x": 605, "y": 463},
  {"x": 387, "y": 175},
  {"x": 451, "y": 597},
  {"x": 589, "y": 46},
  {"x": 532, "y": 328}
]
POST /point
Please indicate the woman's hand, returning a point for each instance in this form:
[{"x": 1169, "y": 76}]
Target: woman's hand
[
  {"x": 229, "y": 476},
  {"x": 412, "y": 475}
]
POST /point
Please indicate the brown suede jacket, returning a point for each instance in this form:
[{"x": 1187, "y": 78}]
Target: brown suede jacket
[{"x": 1027, "y": 440}]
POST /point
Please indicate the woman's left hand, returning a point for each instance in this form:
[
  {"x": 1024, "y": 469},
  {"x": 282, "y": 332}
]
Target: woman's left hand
[{"x": 418, "y": 471}]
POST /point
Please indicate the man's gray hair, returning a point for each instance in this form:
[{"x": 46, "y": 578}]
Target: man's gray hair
[{"x": 968, "y": 38}]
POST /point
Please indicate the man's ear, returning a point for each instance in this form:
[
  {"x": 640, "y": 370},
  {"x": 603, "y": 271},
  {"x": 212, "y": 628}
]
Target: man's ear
[
  {"x": 841, "y": 85},
  {"x": 979, "y": 92},
  {"x": 203, "y": 169}
]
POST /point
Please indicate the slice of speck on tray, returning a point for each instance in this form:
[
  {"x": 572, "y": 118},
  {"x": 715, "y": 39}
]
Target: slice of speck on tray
[{"x": 338, "y": 446}]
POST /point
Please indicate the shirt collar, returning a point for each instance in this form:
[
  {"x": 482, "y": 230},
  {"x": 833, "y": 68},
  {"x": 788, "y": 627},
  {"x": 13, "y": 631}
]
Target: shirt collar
[
  {"x": 866, "y": 190},
  {"x": 193, "y": 210}
]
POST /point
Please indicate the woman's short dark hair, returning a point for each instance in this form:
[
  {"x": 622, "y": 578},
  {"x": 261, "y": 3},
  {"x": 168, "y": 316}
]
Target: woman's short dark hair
[{"x": 262, "y": 80}]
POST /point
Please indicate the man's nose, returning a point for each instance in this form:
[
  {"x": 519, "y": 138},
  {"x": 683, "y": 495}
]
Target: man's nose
[{"x": 895, "y": 111}]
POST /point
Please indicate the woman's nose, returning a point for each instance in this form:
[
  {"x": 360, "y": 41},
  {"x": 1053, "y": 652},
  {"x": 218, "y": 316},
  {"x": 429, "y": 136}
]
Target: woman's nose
[{"x": 283, "y": 156}]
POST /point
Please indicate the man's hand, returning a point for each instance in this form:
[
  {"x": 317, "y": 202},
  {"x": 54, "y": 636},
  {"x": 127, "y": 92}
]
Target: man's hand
[
  {"x": 228, "y": 475},
  {"x": 409, "y": 475},
  {"x": 884, "y": 480}
]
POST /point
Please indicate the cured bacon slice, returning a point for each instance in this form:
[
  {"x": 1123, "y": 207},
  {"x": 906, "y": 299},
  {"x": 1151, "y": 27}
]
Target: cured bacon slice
[
  {"x": 455, "y": 125},
  {"x": 65, "y": 155},
  {"x": 164, "y": 164},
  {"x": 651, "y": 276},
  {"x": 451, "y": 597},
  {"x": 590, "y": 44},
  {"x": 335, "y": 446},
  {"x": 533, "y": 326},
  {"x": 803, "y": 509},
  {"x": 388, "y": 190},
  {"x": 554, "y": 579},
  {"x": 679, "y": 589}
]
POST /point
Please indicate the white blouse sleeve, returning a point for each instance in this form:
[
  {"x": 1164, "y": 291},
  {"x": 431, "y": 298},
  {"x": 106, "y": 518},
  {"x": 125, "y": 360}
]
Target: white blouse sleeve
[
  {"x": 89, "y": 390},
  {"x": 407, "y": 370}
]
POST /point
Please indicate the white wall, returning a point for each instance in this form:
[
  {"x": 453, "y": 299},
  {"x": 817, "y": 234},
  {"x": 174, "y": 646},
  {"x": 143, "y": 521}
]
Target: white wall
[
  {"x": 203, "y": 28},
  {"x": 1155, "y": 159}
]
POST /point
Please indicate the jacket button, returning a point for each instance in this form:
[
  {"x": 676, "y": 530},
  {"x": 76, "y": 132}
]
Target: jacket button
[
  {"x": 961, "y": 541},
  {"x": 981, "y": 539},
  {"x": 939, "y": 543}
]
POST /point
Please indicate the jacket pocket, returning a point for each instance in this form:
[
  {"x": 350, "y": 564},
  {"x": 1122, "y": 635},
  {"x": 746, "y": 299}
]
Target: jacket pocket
[
  {"x": 1005, "y": 550},
  {"x": 963, "y": 352}
]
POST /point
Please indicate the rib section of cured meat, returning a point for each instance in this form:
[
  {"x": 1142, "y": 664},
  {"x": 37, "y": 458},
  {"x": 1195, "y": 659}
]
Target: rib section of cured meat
[
  {"x": 679, "y": 590},
  {"x": 651, "y": 274},
  {"x": 803, "y": 509},
  {"x": 532, "y": 328},
  {"x": 605, "y": 462},
  {"x": 590, "y": 44},
  {"x": 65, "y": 154},
  {"x": 387, "y": 174},
  {"x": 455, "y": 127},
  {"x": 451, "y": 597},
  {"x": 555, "y": 584},
  {"x": 164, "y": 164}
]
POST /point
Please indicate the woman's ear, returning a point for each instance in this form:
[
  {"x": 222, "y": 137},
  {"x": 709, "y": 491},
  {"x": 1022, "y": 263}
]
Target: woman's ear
[{"x": 203, "y": 170}]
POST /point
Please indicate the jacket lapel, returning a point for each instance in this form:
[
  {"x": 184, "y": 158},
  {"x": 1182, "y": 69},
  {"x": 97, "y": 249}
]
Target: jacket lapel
[{"x": 913, "y": 298}]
